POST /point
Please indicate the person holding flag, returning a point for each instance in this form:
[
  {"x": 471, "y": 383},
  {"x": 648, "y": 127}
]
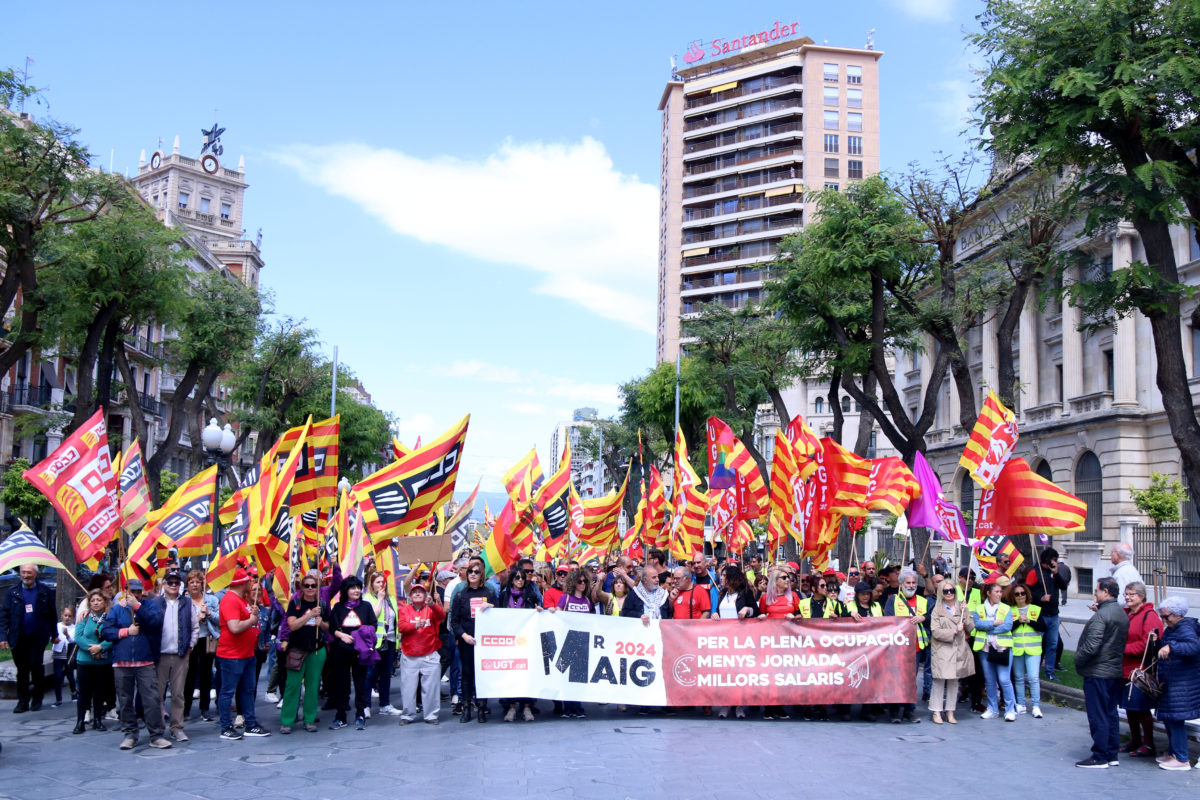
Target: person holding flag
[{"x": 134, "y": 626}]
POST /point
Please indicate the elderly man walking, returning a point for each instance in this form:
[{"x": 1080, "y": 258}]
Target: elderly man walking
[
  {"x": 134, "y": 625},
  {"x": 1098, "y": 659},
  {"x": 1123, "y": 570},
  {"x": 27, "y": 623}
]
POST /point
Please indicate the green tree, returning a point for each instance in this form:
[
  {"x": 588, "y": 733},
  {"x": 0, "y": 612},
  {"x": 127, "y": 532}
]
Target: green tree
[
  {"x": 1110, "y": 90},
  {"x": 122, "y": 269},
  {"x": 22, "y": 498},
  {"x": 217, "y": 325},
  {"x": 46, "y": 187},
  {"x": 1161, "y": 500}
]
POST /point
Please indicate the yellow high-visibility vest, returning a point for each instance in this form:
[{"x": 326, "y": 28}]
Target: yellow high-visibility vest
[
  {"x": 1026, "y": 640},
  {"x": 1002, "y": 639}
]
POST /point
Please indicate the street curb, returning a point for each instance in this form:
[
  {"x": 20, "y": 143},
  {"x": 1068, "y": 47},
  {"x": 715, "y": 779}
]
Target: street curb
[{"x": 1071, "y": 697}]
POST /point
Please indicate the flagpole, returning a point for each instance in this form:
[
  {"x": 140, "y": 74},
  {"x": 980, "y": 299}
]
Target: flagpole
[
  {"x": 1034, "y": 553},
  {"x": 333, "y": 386}
]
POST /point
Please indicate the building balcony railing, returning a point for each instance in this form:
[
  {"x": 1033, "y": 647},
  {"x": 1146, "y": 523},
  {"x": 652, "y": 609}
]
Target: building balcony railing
[
  {"x": 716, "y": 281},
  {"x": 770, "y": 84},
  {"x": 732, "y": 253},
  {"x": 143, "y": 345},
  {"x": 744, "y": 229},
  {"x": 1096, "y": 401},
  {"x": 1043, "y": 413},
  {"x": 744, "y": 204},
  {"x": 745, "y": 182},
  {"x": 741, "y": 159},
  {"x": 737, "y": 137},
  {"x": 741, "y": 113},
  {"x": 26, "y": 396},
  {"x": 741, "y": 299}
]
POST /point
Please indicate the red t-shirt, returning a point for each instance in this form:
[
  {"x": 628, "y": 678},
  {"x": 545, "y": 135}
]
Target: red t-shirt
[
  {"x": 551, "y": 597},
  {"x": 781, "y": 607},
  {"x": 692, "y": 603},
  {"x": 235, "y": 645}
]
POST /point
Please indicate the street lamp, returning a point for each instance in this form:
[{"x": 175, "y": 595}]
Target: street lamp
[{"x": 218, "y": 444}]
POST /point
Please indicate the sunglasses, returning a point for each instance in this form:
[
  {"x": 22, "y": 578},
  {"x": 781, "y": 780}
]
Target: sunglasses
[
  {"x": 474, "y": 572},
  {"x": 308, "y": 585},
  {"x": 948, "y": 591},
  {"x": 527, "y": 571}
]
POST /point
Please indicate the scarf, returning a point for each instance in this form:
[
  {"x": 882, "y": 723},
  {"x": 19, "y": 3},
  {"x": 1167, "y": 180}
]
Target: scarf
[{"x": 652, "y": 603}]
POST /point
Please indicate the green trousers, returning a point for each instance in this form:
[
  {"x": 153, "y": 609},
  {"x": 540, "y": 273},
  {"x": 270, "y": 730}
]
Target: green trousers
[{"x": 310, "y": 675}]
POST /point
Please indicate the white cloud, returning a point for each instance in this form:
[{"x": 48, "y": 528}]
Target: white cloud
[
  {"x": 560, "y": 210},
  {"x": 932, "y": 10},
  {"x": 536, "y": 409},
  {"x": 531, "y": 382}
]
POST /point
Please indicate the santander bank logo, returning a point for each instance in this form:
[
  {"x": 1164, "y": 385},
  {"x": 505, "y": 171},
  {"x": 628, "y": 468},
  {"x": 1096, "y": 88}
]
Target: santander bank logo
[{"x": 694, "y": 53}]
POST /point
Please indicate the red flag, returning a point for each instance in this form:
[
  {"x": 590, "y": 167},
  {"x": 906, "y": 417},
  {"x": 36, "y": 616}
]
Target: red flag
[
  {"x": 992, "y": 441},
  {"x": 892, "y": 486}
]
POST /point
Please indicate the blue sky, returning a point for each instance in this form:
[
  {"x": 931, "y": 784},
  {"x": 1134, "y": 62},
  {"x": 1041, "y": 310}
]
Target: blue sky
[{"x": 462, "y": 197}]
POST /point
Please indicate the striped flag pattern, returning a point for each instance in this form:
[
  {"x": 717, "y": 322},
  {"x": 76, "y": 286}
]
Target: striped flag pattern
[
  {"x": 499, "y": 551},
  {"x": 600, "y": 518},
  {"x": 892, "y": 486},
  {"x": 1024, "y": 502},
  {"x": 689, "y": 505},
  {"x": 184, "y": 521},
  {"x": 23, "y": 547},
  {"x": 135, "y": 491},
  {"x": 553, "y": 500},
  {"x": 851, "y": 474},
  {"x": 657, "y": 534},
  {"x": 753, "y": 499},
  {"x": 316, "y": 479},
  {"x": 399, "y": 498},
  {"x": 991, "y": 443},
  {"x": 784, "y": 478},
  {"x": 455, "y": 526}
]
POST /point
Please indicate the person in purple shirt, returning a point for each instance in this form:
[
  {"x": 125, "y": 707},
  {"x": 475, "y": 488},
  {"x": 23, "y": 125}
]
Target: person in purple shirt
[{"x": 577, "y": 597}]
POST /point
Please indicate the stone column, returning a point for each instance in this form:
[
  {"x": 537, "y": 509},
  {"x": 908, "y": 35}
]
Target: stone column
[
  {"x": 1028, "y": 368},
  {"x": 991, "y": 369},
  {"x": 1072, "y": 354},
  {"x": 1124, "y": 330}
]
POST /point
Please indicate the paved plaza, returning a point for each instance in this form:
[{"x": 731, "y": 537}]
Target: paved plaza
[{"x": 610, "y": 755}]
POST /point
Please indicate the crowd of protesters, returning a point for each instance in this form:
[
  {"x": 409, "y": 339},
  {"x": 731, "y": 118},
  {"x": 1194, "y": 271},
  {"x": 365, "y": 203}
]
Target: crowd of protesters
[{"x": 980, "y": 644}]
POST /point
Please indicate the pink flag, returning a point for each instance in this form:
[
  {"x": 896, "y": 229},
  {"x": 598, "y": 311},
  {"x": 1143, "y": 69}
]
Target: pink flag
[{"x": 931, "y": 509}]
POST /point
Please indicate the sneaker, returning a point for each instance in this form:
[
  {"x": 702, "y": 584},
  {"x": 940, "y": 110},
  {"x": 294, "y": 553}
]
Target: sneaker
[
  {"x": 740, "y": 713},
  {"x": 239, "y": 721},
  {"x": 1011, "y": 716},
  {"x": 128, "y": 743},
  {"x": 279, "y": 704},
  {"x": 511, "y": 714},
  {"x": 273, "y": 697},
  {"x": 406, "y": 721},
  {"x": 230, "y": 735},
  {"x": 206, "y": 716},
  {"x": 1020, "y": 709},
  {"x": 1175, "y": 764},
  {"x": 257, "y": 730},
  {"x": 579, "y": 715},
  {"x": 432, "y": 722},
  {"x": 285, "y": 729},
  {"x": 366, "y": 713},
  {"x": 160, "y": 743},
  {"x": 113, "y": 716},
  {"x": 989, "y": 714},
  {"x": 389, "y": 711},
  {"x": 310, "y": 727},
  {"x": 179, "y": 736},
  {"x": 337, "y": 725},
  {"x": 527, "y": 714},
  {"x": 374, "y": 694},
  {"x": 1092, "y": 763},
  {"x": 56, "y": 704},
  {"x": 1036, "y": 713},
  {"x": 1164, "y": 757},
  {"x": 360, "y": 724},
  {"x": 456, "y": 708}
]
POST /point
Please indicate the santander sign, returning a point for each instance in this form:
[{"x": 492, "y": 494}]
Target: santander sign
[{"x": 723, "y": 47}]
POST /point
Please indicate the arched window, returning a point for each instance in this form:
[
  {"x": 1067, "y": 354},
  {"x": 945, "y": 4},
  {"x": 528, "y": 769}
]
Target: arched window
[
  {"x": 1043, "y": 469},
  {"x": 846, "y": 405},
  {"x": 1089, "y": 487},
  {"x": 819, "y": 406}
]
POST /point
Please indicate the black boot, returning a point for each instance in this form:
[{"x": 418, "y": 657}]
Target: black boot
[
  {"x": 466, "y": 713},
  {"x": 79, "y": 727},
  {"x": 481, "y": 713}
]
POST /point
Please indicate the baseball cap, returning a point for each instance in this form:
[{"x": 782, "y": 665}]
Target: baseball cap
[
  {"x": 134, "y": 585},
  {"x": 862, "y": 587},
  {"x": 563, "y": 568},
  {"x": 173, "y": 575},
  {"x": 240, "y": 576}
]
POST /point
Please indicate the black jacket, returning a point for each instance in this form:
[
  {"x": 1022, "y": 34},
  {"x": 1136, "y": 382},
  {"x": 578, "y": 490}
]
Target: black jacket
[
  {"x": 1101, "y": 646},
  {"x": 634, "y": 607},
  {"x": 12, "y": 614},
  {"x": 461, "y": 620},
  {"x": 1055, "y": 583}
]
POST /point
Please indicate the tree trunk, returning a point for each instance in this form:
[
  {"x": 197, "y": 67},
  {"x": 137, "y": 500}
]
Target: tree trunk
[
  {"x": 104, "y": 365},
  {"x": 154, "y": 465},
  {"x": 66, "y": 593},
  {"x": 781, "y": 408},
  {"x": 1004, "y": 341},
  {"x": 866, "y": 423},
  {"x": 839, "y": 420},
  {"x": 85, "y": 369},
  {"x": 24, "y": 277},
  {"x": 136, "y": 418}
]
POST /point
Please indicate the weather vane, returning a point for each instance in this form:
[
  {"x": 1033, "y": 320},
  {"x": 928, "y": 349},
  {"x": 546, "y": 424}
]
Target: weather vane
[{"x": 212, "y": 140}]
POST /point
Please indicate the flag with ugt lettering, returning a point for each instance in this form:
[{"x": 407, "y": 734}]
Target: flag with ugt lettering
[
  {"x": 399, "y": 498},
  {"x": 78, "y": 480},
  {"x": 892, "y": 486},
  {"x": 752, "y": 497},
  {"x": 991, "y": 443},
  {"x": 720, "y": 454}
]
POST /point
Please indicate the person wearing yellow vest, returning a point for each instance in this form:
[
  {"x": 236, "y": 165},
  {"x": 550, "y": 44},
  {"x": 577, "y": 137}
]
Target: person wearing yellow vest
[
  {"x": 862, "y": 605},
  {"x": 820, "y": 605},
  {"x": 1027, "y": 647},
  {"x": 379, "y": 674},
  {"x": 907, "y": 603},
  {"x": 994, "y": 642}
]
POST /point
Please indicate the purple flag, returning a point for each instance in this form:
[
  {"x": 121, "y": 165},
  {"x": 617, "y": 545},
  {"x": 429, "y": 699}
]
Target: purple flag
[{"x": 923, "y": 511}]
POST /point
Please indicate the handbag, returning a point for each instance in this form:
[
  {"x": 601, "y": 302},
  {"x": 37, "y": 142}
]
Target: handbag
[
  {"x": 999, "y": 657},
  {"x": 294, "y": 659},
  {"x": 1145, "y": 676}
]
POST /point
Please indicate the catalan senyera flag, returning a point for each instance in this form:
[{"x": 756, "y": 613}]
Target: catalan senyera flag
[
  {"x": 630, "y": 537},
  {"x": 689, "y": 505},
  {"x": 499, "y": 551},
  {"x": 684, "y": 474},
  {"x": 553, "y": 499},
  {"x": 892, "y": 486},
  {"x": 720, "y": 455},
  {"x": 282, "y": 468},
  {"x": 489, "y": 519},
  {"x": 316, "y": 479},
  {"x": 657, "y": 533},
  {"x": 524, "y": 478},
  {"x": 752, "y": 496},
  {"x": 78, "y": 480},
  {"x": 851, "y": 473},
  {"x": 185, "y": 520},
  {"x": 24, "y": 547},
  {"x": 1022, "y": 502},
  {"x": 805, "y": 446},
  {"x": 135, "y": 491},
  {"x": 399, "y": 498},
  {"x": 601, "y": 515},
  {"x": 991, "y": 443},
  {"x": 399, "y": 449},
  {"x": 783, "y": 494}
]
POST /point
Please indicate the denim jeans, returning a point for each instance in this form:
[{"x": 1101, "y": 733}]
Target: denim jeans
[
  {"x": 237, "y": 675},
  {"x": 1100, "y": 700},
  {"x": 1177, "y": 738},
  {"x": 1025, "y": 671},
  {"x": 994, "y": 674},
  {"x": 926, "y": 656},
  {"x": 1050, "y": 645}
]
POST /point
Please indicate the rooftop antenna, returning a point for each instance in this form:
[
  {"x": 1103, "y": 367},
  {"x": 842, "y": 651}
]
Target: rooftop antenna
[
  {"x": 25, "y": 79},
  {"x": 871, "y": 39}
]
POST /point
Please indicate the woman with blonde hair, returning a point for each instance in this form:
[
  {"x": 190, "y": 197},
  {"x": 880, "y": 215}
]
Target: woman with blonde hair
[
  {"x": 93, "y": 662},
  {"x": 379, "y": 674},
  {"x": 951, "y": 627}
]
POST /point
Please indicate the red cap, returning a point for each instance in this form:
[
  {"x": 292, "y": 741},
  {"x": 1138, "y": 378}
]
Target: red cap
[
  {"x": 793, "y": 565},
  {"x": 829, "y": 572},
  {"x": 841, "y": 577},
  {"x": 240, "y": 576},
  {"x": 563, "y": 568}
]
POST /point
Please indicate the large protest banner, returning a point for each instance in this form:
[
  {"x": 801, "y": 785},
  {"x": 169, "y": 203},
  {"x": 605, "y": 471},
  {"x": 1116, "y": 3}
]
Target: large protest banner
[{"x": 592, "y": 658}]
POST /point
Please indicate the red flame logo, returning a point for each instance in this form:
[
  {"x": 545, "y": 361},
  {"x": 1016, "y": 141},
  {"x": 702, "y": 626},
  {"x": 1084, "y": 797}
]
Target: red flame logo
[{"x": 693, "y": 54}]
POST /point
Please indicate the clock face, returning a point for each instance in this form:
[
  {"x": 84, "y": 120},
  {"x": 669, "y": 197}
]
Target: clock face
[
  {"x": 209, "y": 163},
  {"x": 156, "y": 160},
  {"x": 684, "y": 670}
]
